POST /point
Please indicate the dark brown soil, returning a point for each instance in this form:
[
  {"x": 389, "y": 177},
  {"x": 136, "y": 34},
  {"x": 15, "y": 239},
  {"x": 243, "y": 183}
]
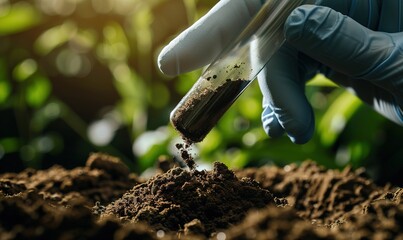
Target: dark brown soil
[
  {"x": 103, "y": 179},
  {"x": 196, "y": 116},
  {"x": 217, "y": 199},
  {"x": 186, "y": 155},
  {"x": 104, "y": 201}
]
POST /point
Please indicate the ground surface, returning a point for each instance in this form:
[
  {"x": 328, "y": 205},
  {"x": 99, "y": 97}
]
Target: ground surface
[{"x": 102, "y": 200}]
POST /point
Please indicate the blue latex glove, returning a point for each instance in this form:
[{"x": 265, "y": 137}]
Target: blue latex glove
[
  {"x": 367, "y": 62},
  {"x": 356, "y": 43}
]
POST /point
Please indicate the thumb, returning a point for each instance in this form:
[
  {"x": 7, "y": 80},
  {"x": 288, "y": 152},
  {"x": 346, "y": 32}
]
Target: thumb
[{"x": 286, "y": 109}]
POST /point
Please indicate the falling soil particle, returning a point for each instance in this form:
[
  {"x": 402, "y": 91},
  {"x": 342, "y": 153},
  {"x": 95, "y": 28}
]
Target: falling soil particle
[
  {"x": 201, "y": 112},
  {"x": 186, "y": 155}
]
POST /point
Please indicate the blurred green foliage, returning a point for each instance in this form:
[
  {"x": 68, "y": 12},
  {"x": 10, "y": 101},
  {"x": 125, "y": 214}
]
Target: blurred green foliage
[{"x": 78, "y": 76}]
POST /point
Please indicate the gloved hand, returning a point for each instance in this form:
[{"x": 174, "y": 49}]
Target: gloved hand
[{"x": 356, "y": 43}]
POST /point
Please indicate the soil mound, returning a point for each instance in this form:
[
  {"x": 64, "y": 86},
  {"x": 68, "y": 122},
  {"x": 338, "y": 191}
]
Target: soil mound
[
  {"x": 103, "y": 179},
  {"x": 273, "y": 223},
  {"x": 320, "y": 195},
  {"x": 379, "y": 219},
  {"x": 195, "y": 201},
  {"x": 27, "y": 215}
]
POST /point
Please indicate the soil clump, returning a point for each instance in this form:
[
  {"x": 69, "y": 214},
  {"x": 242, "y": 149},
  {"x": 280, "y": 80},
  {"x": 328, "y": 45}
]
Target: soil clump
[
  {"x": 200, "y": 201},
  {"x": 186, "y": 155}
]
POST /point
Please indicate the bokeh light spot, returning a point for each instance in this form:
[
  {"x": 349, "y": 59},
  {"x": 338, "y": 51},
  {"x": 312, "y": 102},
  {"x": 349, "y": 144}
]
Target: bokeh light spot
[
  {"x": 70, "y": 63},
  {"x": 148, "y": 139},
  {"x": 52, "y": 110},
  {"x": 102, "y": 131},
  {"x": 102, "y": 6},
  {"x": 221, "y": 236},
  {"x": 249, "y": 139},
  {"x": 4, "y": 7},
  {"x": 45, "y": 144},
  {"x": 160, "y": 233},
  {"x": 25, "y": 69},
  {"x": 51, "y": 7}
]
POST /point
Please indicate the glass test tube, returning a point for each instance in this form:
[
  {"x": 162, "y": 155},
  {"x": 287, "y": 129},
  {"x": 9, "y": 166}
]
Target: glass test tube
[{"x": 232, "y": 71}]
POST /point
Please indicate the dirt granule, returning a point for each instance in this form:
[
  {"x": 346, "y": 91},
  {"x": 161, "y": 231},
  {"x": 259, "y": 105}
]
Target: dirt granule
[{"x": 186, "y": 155}]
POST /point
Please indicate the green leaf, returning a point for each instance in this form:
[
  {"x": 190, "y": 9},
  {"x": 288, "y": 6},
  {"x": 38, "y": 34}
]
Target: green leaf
[
  {"x": 149, "y": 158},
  {"x": 336, "y": 117},
  {"x": 115, "y": 46},
  {"x": 233, "y": 158},
  {"x": 21, "y": 16},
  {"x": 142, "y": 22},
  {"x": 25, "y": 69},
  {"x": 250, "y": 108},
  {"x": 358, "y": 151},
  {"x": 133, "y": 92},
  {"x": 10, "y": 144},
  {"x": 321, "y": 81},
  {"x": 159, "y": 95},
  {"x": 186, "y": 81},
  {"x": 38, "y": 91},
  {"x": 5, "y": 86},
  {"x": 54, "y": 37},
  {"x": 5, "y": 91},
  {"x": 211, "y": 142}
]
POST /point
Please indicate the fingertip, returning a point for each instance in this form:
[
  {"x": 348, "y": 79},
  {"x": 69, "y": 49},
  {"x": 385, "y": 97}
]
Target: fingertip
[
  {"x": 301, "y": 125},
  {"x": 204, "y": 40},
  {"x": 167, "y": 62},
  {"x": 302, "y": 137},
  {"x": 297, "y": 132}
]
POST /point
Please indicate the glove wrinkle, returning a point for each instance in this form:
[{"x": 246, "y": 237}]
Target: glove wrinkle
[
  {"x": 391, "y": 19},
  {"x": 270, "y": 123},
  {"x": 399, "y": 114},
  {"x": 388, "y": 107},
  {"x": 311, "y": 23}
]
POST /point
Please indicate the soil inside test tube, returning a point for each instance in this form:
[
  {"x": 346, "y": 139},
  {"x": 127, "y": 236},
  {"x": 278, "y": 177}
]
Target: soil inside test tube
[{"x": 200, "y": 113}]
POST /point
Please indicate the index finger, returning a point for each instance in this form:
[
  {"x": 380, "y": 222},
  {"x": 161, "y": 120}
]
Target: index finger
[{"x": 198, "y": 45}]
